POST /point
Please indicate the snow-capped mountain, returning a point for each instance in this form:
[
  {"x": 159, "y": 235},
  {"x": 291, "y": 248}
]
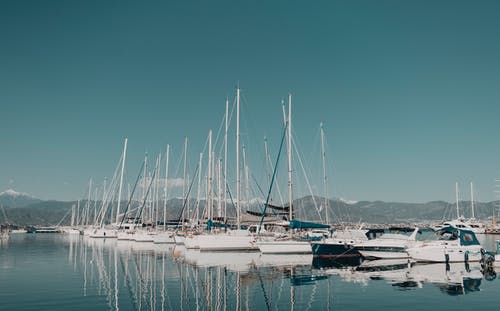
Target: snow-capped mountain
[{"x": 11, "y": 198}]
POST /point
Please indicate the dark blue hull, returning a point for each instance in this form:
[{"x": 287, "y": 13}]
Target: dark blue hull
[{"x": 326, "y": 250}]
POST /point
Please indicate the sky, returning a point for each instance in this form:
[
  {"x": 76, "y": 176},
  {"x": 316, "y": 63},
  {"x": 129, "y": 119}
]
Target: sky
[{"x": 408, "y": 92}]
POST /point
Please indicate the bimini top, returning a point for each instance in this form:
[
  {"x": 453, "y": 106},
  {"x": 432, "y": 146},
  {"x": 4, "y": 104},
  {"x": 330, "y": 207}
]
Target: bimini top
[{"x": 466, "y": 237}]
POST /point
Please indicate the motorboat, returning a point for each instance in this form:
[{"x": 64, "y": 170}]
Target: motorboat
[
  {"x": 387, "y": 246},
  {"x": 453, "y": 245}
]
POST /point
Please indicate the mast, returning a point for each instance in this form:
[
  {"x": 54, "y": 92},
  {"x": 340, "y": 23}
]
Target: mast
[
  {"x": 456, "y": 197},
  {"x": 472, "y": 199},
  {"x": 290, "y": 183},
  {"x": 238, "y": 181},
  {"x": 165, "y": 189},
  {"x": 121, "y": 182},
  {"x": 325, "y": 180},
  {"x": 225, "y": 157},
  {"x": 209, "y": 176}
]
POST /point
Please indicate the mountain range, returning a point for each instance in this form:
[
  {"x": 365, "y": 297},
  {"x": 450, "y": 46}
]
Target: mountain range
[{"x": 23, "y": 209}]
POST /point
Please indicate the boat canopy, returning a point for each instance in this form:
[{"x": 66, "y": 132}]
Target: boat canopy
[
  {"x": 466, "y": 237},
  {"x": 295, "y": 224}
]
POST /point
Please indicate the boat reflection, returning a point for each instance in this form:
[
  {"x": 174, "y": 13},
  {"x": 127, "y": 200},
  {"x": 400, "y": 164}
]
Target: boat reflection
[{"x": 403, "y": 274}]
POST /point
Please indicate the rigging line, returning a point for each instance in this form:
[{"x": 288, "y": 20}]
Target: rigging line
[
  {"x": 131, "y": 195},
  {"x": 307, "y": 179},
  {"x": 272, "y": 179}
]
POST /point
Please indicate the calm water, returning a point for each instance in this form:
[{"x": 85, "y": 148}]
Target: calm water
[{"x": 61, "y": 272}]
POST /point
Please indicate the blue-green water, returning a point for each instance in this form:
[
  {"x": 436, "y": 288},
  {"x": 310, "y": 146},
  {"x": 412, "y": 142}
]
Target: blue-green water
[{"x": 61, "y": 272}]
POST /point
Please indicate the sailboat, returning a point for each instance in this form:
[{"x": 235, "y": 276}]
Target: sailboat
[
  {"x": 231, "y": 240},
  {"x": 288, "y": 245}
]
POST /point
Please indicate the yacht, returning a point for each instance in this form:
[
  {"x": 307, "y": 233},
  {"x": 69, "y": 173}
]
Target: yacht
[
  {"x": 387, "y": 246},
  {"x": 453, "y": 245}
]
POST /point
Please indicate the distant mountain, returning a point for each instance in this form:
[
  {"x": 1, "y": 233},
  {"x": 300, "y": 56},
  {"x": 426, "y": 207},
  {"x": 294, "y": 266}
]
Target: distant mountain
[
  {"x": 309, "y": 208},
  {"x": 13, "y": 199}
]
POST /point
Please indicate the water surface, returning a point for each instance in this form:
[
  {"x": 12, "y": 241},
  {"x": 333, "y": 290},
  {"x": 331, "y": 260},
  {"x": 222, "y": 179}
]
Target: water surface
[{"x": 64, "y": 272}]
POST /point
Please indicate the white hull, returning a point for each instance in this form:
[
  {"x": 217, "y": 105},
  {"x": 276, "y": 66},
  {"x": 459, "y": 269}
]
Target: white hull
[
  {"x": 284, "y": 247},
  {"x": 139, "y": 236},
  {"x": 125, "y": 235},
  {"x": 388, "y": 246},
  {"x": 164, "y": 238},
  {"x": 445, "y": 253},
  {"x": 191, "y": 242},
  {"x": 226, "y": 242},
  {"x": 103, "y": 233}
]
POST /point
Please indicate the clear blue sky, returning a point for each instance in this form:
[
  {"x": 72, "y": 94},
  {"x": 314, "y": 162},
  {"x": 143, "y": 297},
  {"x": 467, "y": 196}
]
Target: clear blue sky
[{"x": 408, "y": 90}]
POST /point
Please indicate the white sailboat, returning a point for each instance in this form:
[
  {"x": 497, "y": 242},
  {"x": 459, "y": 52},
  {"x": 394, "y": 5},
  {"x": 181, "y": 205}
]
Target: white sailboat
[
  {"x": 232, "y": 240},
  {"x": 286, "y": 245}
]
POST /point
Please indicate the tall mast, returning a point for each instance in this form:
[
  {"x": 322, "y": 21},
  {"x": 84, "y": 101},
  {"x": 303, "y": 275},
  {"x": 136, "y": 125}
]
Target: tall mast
[
  {"x": 325, "y": 180},
  {"x": 145, "y": 176},
  {"x": 472, "y": 199},
  {"x": 165, "y": 189},
  {"x": 290, "y": 183},
  {"x": 456, "y": 197},
  {"x": 209, "y": 176},
  {"x": 225, "y": 158},
  {"x": 238, "y": 181},
  {"x": 121, "y": 181}
]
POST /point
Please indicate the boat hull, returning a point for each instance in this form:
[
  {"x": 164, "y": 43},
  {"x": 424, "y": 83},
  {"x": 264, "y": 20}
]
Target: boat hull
[
  {"x": 331, "y": 250},
  {"x": 226, "y": 242},
  {"x": 445, "y": 254},
  {"x": 284, "y": 247}
]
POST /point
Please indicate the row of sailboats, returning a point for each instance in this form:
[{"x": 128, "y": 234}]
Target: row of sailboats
[
  {"x": 220, "y": 235},
  {"x": 272, "y": 235}
]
